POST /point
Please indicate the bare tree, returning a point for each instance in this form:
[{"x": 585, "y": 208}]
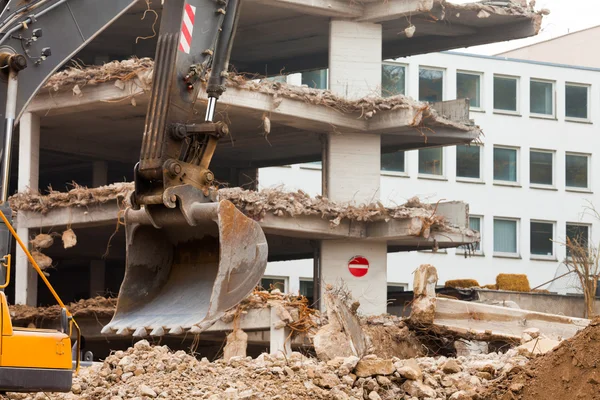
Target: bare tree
[{"x": 583, "y": 258}]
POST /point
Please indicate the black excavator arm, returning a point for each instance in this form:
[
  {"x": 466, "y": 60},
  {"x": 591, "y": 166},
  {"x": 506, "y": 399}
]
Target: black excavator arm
[{"x": 189, "y": 257}]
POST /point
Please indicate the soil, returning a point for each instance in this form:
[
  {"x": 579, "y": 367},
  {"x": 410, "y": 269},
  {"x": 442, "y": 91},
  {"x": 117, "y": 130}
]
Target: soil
[{"x": 571, "y": 371}]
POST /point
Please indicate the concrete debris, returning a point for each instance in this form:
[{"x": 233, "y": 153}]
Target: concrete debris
[
  {"x": 42, "y": 241},
  {"x": 69, "y": 239},
  {"x": 255, "y": 204},
  {"x": 237, "y": 343},
  {"x": 42, "y": 260},
  {"x": 139, "y": 70},
  {"x": 79, "y": 196},
  {"x": 21, "y": 315},
  {"x": 482, "y": 322},
  {"x": 156, "y": 372},
  {"x": 541, "y": 345}
]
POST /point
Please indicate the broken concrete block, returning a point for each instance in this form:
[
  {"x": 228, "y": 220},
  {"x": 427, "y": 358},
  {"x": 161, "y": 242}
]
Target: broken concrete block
[
  {"x": 327, "y": 381},
  {"x": 409, "y": 369},
  {"x": 418, "y": 389},
  {"x": 538, "y": 346},
  {"x": 237, "y": 343},
  {"x": 451, "y": 367},
  {"x": 466, "y": 348},
  {"x": 533, "y": 332},
  {"x": 425, "y": 280},
  {"x": 366, "y": 368}
]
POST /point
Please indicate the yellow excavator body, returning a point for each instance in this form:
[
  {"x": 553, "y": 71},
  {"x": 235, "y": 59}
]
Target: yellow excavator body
[{"x": 33, "y": 359}]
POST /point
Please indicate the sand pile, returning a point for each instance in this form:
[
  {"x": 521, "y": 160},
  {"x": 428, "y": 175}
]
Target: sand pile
[
  {"x": 571, "y": 371},
  {"x": 146, "y": 372}
]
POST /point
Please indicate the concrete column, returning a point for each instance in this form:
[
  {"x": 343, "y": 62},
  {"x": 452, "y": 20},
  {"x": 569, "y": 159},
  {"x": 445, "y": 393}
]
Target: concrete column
[
  {"x": 99, "y": 173},
  {"x": 97, "y": 277},
  {"x": 29, "y": 169},
  {"x": 354, "y": 58},
  {"x": 279, "y": 335},
  {"x": 352, "y": 163}
]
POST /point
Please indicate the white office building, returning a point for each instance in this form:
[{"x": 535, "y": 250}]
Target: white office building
[{"x": 528, "y": 182}]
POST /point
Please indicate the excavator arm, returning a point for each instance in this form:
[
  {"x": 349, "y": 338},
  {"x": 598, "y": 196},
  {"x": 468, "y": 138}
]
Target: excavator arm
[{"x": 190, "y": 258}]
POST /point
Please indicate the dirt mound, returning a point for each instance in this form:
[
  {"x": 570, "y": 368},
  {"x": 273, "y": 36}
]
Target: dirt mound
[{"x": 571, "y": 371}]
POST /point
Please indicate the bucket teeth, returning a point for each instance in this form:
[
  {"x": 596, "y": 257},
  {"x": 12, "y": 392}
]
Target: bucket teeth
[
  {"x": 140, "y": 332},
  {"x": 158, "y": 331},
  {"x": 176, "y": 331},
  {"x": 106, "y": 330},
  {"x": 123, "y": 332}
]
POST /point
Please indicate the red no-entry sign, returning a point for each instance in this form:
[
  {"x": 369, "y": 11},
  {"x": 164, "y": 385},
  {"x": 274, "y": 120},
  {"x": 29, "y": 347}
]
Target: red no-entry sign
[{"x": 358, "y": 266}]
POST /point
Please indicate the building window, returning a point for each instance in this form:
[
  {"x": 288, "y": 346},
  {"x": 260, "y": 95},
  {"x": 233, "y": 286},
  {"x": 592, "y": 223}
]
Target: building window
[
  {"x": 577, "y": 171},
  {"x": 393, "y": 162},
  {"x": 578, "y": 235},
  {"x": 316, "y": 79},
  {"x": 396, "y": 298},
  {"x": 505, "y": 164},
  {"x": 505, "y": 93},
  {"x": 541, "y": 169},
  {"x": 541, "y": 98},
  {"x": 505, "y": 236},
  {"x": 474, "y": 224},
  {"x": 468, "y": 161},
  {"x": 307, "y": 288},
  {"x": 273, "y": 283},
  {"x": 431, "y": 161},
  {"x": 468, "y": 86},
  {"x": 431, "y": 85},
  {"x": 576, "y": 101},
  {"x": 393, "y": 80},
  {"x": 542, "y": 234}
]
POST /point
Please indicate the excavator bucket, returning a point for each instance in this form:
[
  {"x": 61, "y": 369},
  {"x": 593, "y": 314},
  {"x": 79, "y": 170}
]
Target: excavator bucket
[{"x": 186, "y": 268}]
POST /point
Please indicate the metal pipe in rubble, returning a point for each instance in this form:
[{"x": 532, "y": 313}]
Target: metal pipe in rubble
[{"x": 11, "y": 105}]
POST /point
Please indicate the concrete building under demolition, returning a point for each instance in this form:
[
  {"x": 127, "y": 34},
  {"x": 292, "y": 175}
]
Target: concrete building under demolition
[{"x": 85, "y": 127}]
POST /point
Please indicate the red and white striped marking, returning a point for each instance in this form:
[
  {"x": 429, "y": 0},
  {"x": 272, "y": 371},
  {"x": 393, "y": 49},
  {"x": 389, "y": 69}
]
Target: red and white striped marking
[
  {"x": 358, "y": 266},
  {"x": 187, "y": 28}
]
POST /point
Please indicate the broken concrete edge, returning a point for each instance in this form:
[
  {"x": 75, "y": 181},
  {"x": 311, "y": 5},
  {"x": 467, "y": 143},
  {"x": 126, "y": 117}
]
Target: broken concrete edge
[
  {"x": 140, "y": 70},
  {"x": 255, "y": 204},
  {"x": 522, "y": 8},
  {"x": 477, "y": 321}
]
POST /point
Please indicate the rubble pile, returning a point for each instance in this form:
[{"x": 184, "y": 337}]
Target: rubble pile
[
  {"x": 146, "y": 372},
  {"x": 255, "y": 204}
]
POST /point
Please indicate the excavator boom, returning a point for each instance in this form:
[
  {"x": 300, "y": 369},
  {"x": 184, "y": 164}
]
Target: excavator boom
[{"x": 190, "y": 257}]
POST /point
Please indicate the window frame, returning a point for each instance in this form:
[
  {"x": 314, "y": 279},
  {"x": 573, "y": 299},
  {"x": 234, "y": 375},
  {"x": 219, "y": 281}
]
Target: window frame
[
  {"x": 481, "y": 107},
  {"x": 461, "y": 251},
  {"x": 552, "y": 257},
  {"x": 542, "y": 185},
  {"x": 396, "y": 173},
  {"x": 589, "y": 234},
  {"x": 315, "y": 70},
  {"x": 395, "y": 64},
  {"x": 517, "y": 182},
  {"x": 444, "y": 81},
  {"x": 518, "y": 93},
  {"x": 502, "y": 254},
  {"x": 441, "y": 176},
  {"x": 589, "y": 103},
  {"x": 481, "y": 166},
  {"x": 587, "y": 189},
  {"x": 285, "y": 279},
  {"x": 544, "y": 116}
]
